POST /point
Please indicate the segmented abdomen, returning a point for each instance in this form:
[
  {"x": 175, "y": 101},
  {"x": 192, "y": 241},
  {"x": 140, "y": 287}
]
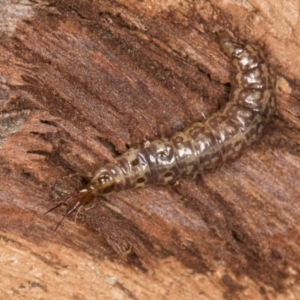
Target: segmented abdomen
[{"x": 204, "y": 146}]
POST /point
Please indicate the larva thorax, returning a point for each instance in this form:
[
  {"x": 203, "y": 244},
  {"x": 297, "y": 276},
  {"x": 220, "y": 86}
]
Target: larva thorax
[{"x": 202, "y": 147}]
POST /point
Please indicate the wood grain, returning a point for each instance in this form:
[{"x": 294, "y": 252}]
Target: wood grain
[{"x": 79, "y": 84}]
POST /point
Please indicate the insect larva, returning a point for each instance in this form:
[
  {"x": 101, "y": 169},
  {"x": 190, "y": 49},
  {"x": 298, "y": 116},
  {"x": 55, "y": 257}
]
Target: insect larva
[{"x": 202, "y": 147}]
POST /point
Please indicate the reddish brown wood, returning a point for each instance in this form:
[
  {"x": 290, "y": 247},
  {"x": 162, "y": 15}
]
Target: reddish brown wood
[{"x": 80, "y": 81}]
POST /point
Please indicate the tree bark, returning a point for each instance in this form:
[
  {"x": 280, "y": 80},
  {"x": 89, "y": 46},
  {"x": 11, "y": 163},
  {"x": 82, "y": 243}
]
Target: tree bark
[{"x": 80, "y": 82}]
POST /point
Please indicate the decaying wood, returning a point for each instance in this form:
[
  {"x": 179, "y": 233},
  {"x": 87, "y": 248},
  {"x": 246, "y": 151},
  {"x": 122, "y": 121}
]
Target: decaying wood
[{"x": 80, "y": 82}]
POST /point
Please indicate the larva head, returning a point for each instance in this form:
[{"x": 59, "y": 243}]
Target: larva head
[
  {"x": 75, "y": 201},
  {"x": 102, "y": 183}
]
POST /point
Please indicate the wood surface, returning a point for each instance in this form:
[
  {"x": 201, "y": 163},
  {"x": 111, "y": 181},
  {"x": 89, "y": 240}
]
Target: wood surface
[{"x": 80, "y": 82}]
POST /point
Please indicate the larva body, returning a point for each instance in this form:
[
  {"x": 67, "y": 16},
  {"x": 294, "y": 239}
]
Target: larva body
[{"x": 202, "y": 147}]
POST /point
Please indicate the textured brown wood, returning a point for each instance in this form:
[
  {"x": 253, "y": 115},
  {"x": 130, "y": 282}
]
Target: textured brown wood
[{"x": 80, "y": 81}]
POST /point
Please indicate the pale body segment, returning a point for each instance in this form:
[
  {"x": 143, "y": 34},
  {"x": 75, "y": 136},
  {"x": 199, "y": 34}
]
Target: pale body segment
[{"x": 202, "y": 147}]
